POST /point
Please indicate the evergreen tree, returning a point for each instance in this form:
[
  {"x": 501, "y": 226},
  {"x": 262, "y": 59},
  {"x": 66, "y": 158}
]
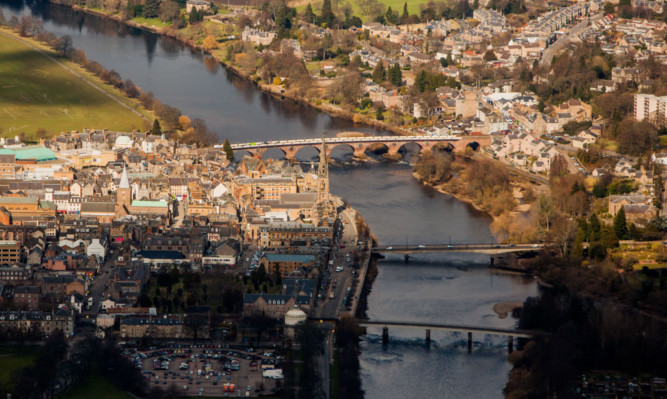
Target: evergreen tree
[
  {"x": 379, "y": 73},
  {"x": 328, "y": 16},
  {"x": 475, "y": 4},
  {"x": 594, "y": 228},
  {"x": 578, "y": 249},
  {"x": 406, "y": 15},
  {"x": 283, "y": 22},
  {"x": 395, "y": 75},
  {"x": 151, "y": 8},
  {"x": 227, "y": 148},
  {"x": 308, "y": 14},
  {"x": 157, "y": 129},
  {"x": 391, "y": 16},
  {"x": 443, "y": 62},
  {"x": 620, "y": 225},
  {"x": 608, "y": 237},
  {"x": 450, "y": 61}
]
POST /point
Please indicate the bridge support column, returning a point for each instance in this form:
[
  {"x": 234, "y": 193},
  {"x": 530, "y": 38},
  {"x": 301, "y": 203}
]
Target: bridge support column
[
  {"x": 428, "y": 336},
  {"x": 510, "y": 344},
  {"x": 407, "y": 258},
  {"x": 492, "y": 260},
  {"x": 385, "y": 335},
  {"x": 469, "y": 342}
]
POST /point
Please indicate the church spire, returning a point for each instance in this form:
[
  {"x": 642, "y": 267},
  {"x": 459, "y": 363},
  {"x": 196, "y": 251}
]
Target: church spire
[
  {"x": 323, "y": 173},
  {"x": 124, "y": 181},
  {"x": 323, "y": 170}
]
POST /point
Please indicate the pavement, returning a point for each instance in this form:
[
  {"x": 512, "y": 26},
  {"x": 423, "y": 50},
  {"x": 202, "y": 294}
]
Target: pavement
[{"x": 208, "y": 385}]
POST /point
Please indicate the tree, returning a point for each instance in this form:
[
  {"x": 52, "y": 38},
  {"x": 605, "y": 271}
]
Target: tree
[
  {"x": 151, "y": 8},
  {"x": 594, "y": 229},
  {"x": 546, "y": 211},
  {"x": 169, "y": 11},
  {"x": 283, "y": 21},
  {"x": 227, "y": 148},
  {"x": 327, "y": 17},
  {"x": 210, "y": 43},
  {"x": 490, "y": 55},
  {"x": 405, "y": 17},
  {"x": 308, "y": 14},
  {"x": 63, "y": 45},
  {"x": 391, "y": 16},
  {"x": 379, "y": 73},
  {"x": 157, "y": 129},
  {"x": 621, "y": 225},
  {"x": 395, "y": 75}
]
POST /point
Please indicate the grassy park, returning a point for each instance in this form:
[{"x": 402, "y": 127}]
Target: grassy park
[
  {"x": 36, "y": 92},
  {"x": 95, "y": 386},
  {"x": 396, "y": 5},
  {"x": 12, "y": 360}
]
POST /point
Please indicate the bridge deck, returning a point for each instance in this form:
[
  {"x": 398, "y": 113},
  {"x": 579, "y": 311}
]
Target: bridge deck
[
  {"x": 342, "y": 140},
  {"x": 451, "y": 327},
  {"x": 470, "y": 248}
]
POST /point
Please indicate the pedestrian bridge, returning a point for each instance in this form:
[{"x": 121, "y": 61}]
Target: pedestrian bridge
[
  {"x": 490, "y": 249},
  {"x": 428, "y": 327},
  {"x": 507, "y": 332},
  {"x": 359, "y": 145}
]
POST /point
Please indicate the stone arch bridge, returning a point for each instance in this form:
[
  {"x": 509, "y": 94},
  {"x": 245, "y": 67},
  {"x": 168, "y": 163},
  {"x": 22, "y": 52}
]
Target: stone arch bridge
[{"x": 359, "y": 145}]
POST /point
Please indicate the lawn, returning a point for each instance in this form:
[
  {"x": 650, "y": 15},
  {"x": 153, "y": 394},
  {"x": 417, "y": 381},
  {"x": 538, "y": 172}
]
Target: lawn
[
  {"x": 95, "y": 386},
  {"x": 13, "y": 359},
  {"x": 151, "y": 22},
  {"x": 396, "y": 5},
  {"x": 35, "y": 92}
]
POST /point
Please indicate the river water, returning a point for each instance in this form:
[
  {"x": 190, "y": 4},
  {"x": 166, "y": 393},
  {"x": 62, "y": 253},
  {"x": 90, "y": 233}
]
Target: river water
[{"x": 458, "y": 289}]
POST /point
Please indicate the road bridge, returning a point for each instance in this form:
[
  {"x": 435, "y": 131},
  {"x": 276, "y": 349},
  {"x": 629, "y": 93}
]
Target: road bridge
[
  {"x": 359, "y": 145},
  {"x": 428, "y": 327},
  {"x": 491, "y": 249}
]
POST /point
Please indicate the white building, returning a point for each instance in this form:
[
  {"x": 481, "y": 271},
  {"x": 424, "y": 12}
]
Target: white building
[
  {"x": 651, "y": 108},
  {"x": 97, "y": 248}
]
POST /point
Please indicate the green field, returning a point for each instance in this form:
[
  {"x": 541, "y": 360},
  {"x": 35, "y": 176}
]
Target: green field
[
  {"x": 97, "y": 387},
  {"x": 12, "y": 360},
  {"x": 35, "y": 92},
  {"x": 396, "y": 5}
]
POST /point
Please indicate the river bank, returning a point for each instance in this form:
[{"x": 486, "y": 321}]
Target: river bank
[{"x": 276, "y": 91}]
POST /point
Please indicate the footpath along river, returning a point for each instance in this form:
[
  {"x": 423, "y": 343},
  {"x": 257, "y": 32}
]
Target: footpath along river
[{"x": 457, "y": 289}]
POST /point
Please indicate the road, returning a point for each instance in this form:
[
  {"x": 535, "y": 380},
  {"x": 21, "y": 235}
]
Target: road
[
  {"x": 558, "y": 45},
  {"x": 99, "y": 289}
]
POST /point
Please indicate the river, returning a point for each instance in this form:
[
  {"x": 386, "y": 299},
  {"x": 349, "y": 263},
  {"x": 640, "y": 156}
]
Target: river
[{"x": 457, "y": 289}]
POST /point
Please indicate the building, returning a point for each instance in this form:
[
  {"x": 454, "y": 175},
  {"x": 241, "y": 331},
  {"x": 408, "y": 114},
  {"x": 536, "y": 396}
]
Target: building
[
  {"x": 27, "y": 297},
  {"x": 286, "y": 264},
  {"x": 39, "y": 322},
  {"x": 274, "y": 306},
  {"x": 179, "y": 326},
  {"x": 199, "y": 5},
  {"x": 10, "y": 252},
  {"x": 651, "y": 108}
]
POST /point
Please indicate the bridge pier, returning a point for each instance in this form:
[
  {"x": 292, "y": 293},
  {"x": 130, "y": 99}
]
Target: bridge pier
[
  {"x": 428, "y": 336},
  {"x": 385, "y": 335},
  {"x": 407, "y": 258},
  {"x": 469, "y": 342},
  {"x": 492, "y": 260},
  {"x": 510, "y": 344}
]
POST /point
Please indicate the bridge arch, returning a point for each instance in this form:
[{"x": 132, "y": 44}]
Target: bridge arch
[
  {"x": 340, "y": 151},
  {"x": 473, "y": 145},
  {"x": 410, "y": 146},
  {"x": 306, "y": 152},
  {"x": 273, "y": 153},
  {"x": 240, "y": 154}
]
